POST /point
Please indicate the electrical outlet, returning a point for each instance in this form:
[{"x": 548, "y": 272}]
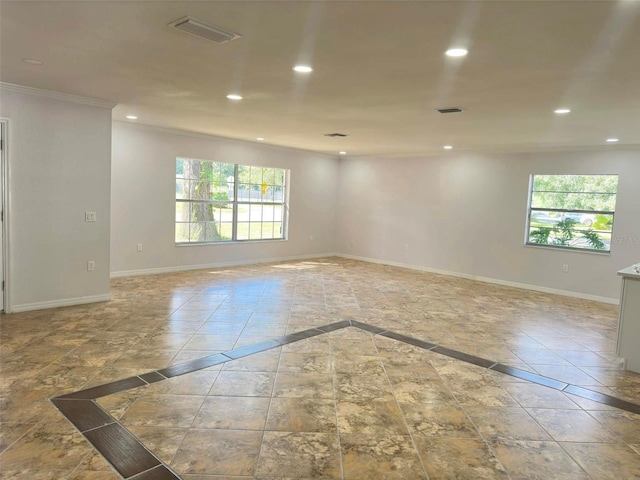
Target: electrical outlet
[
  {"x": 91, "y": 265},
  {"x": 565, "y": 268},
  {"x": 89, "y": 216},
  {"x": 139, "y": 247}
]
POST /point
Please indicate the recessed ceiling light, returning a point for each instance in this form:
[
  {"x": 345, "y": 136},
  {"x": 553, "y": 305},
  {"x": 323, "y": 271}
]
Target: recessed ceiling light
[
  {"x": 456, "y": 52},
  {"x": 303, "y": 69},
  {"x": 448, "y": 147},
  {"x": 342, "y": 152},
  {"x": 234, "y": 96},
  {"x": 260, "y": 139},
  {"x": 613, "y": 140},
  {"x": 562, "y": 111},
  {"x": 132, "y": 117},
  {"x": 32, "y": 61}
]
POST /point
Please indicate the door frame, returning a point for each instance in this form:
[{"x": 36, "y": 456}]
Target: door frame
[{"x": 6, "y": 198}]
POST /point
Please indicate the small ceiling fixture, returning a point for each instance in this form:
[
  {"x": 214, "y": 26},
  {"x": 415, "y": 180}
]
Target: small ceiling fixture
[
  {"x": 260, "y": 139},
  {"x": 448, "y": 147},
  {"x": 449, "y": 110},
  {"x": 336, "y": 135},
  {"x": 32, "y": 61},
  {"x": 613, "y": 140},
  {"x": 342, "y": 152},
  {"x": 303, "y": 69},
  {"x": 562, "y": 111},
  {"x": 201, "y": 29},
  {"x": 132, "y": 117},
  {"x": 456, "y": 52},
  {"x": 234, "y": 96}
]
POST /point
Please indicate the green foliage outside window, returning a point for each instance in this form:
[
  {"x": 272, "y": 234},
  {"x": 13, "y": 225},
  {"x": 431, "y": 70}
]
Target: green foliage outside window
[
  {"x": 572, "y": 211},
  {"x": 207, "y": 210}
]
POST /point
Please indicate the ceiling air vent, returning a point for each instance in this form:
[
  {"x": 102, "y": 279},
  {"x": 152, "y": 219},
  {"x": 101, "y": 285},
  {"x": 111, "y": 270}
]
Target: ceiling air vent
[
  {"x": 336, "y": 135},
  {"x": 201, "y": 29},
  {"x": 449, "y": 110}
]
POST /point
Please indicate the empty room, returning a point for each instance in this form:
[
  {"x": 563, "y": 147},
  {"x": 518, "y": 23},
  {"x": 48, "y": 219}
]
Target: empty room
[{"x": 338, "y": 240}]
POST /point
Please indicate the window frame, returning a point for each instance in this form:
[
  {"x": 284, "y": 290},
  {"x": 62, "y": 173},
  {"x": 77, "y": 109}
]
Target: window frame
[
  {"x": 236, "y": 203},
  {"x": 564, "y": 211}
]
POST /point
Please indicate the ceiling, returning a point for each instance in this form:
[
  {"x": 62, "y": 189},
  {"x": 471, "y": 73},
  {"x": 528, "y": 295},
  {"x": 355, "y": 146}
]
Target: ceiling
[{"x": 379, "y": 70}]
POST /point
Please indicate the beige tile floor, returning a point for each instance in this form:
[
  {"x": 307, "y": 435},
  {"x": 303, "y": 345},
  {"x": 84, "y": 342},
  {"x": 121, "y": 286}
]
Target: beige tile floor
[{"x": 343, "y": 405}]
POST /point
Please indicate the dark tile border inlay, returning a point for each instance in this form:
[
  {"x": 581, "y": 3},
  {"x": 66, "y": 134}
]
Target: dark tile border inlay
[
  {"x": 152, "y": 377},
  {"x": 194, "y": 365},
  {"x": 107, "y": 389},
  {"x": 84, "y": 414},
  {"x": 410, "y": 340},
  {"x": 160, "y": 472},
  {"x": 134, "y": 462},
  {"x": 121, "y": 449},
  {"x": 465, "y": 357},
  {"x": 529, "y": 377}
]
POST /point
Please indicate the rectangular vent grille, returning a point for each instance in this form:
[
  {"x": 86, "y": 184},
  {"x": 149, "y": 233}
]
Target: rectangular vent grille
[
  {"x": 195, "y": 27},
  {"x": 449, "y": 110},
  {"x": 335, "y": 135}
]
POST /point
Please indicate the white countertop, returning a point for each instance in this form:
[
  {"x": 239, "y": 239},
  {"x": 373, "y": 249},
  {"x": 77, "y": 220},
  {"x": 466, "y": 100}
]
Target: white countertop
[{"x": 632, "y": 272}]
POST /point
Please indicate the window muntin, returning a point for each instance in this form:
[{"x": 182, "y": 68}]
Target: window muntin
[
  {"x": 222, "y": 202},
  {"x": 572, "y": 211}
]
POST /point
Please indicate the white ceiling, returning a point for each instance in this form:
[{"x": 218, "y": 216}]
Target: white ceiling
[{"x": 379, "y": 70}]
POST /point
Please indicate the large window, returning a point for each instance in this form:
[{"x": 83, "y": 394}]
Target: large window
[
  {"x": 572, "y": 211},
  {"x": 223, "y": 202}
]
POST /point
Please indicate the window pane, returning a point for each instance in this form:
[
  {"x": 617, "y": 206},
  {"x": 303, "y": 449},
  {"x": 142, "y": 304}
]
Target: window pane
[
  {"x": 255, "y": 231},
  {"x": 268, "y": 176},
  {"x": 226, "y": 231},
  {"x": 278, "y": 177},
  {"x": 205, "y": 201},
  {"x": 182, "y": 232},
  {"x": 182, "y": 189},
  {"x": 212, "y": 233},
  {"x": 267, "y": 213},
  {"x": 574, "y": 201},
  {"x": 197, "y": 232},
  {"x": 575, "y": 192},
  {"x": 202, "y": 212},
  {"x": 267, "y": 230},
  {"x": 180, "y": 167},
  {"x": 278, "y": 213},
  {"x": 243, "y": 212},
  {"x": 182, "y": 211},
  {"x": 243, "y": 230},
  {"x": 565, "y": 211},
  {"x": 255, "y": 214}
]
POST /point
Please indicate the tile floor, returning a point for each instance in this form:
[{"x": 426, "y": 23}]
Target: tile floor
[{"x": 344, "y": 404}]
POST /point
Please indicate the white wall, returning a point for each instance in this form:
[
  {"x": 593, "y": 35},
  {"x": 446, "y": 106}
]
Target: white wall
[
  {"x": 465, "y": 214},
  {"x": 59, "y": 161},
  {"x": 143, "y": 207}
]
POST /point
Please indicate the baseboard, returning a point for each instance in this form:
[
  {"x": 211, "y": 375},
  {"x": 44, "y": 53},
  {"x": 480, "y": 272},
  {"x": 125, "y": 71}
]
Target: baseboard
[
  {"x": 523, "y": 286},
  {"x": 66, "y": 302},
  {"x": 506, "y": 283},
  {"x": 237, "y": 263}
]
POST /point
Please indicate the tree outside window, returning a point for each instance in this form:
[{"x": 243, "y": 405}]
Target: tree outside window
[{"x": 572, "y": 211}]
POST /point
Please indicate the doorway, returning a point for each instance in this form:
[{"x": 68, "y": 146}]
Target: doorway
[{"x": 4, "y": 163}]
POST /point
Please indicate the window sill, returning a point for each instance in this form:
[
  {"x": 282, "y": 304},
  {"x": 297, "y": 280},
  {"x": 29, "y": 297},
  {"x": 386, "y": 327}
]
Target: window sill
[
  {"x": 568, "y": 249},
  {"x": 230, "y": 242}
]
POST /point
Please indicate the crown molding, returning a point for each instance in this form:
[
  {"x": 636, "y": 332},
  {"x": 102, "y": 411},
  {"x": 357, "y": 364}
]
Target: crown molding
[{"x": 65, "y": 97}]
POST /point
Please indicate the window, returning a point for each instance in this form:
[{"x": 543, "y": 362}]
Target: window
[
  {"x": 572, "y": 211},
  {"x": 224, "y": 202}
]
